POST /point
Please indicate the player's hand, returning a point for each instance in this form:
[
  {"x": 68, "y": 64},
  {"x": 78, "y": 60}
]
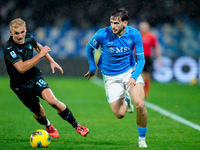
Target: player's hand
[
  {"x": 55, "y": 65},
  {"x": 44, "y": 50},
  {"x": 159, "y": 63},
  {"x": 131, "y": 84},
  {"x": 88, "y": 75}
]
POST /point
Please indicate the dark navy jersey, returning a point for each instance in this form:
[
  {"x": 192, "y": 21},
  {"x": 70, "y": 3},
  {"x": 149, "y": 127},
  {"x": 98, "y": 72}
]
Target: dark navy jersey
[{"x": 14, "y": 52}]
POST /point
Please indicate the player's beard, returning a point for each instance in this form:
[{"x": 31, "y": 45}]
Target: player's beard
[{"x": 120, "y": 32}]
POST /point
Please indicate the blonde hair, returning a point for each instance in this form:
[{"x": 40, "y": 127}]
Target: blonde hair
[{"x": 16, "y": 23}]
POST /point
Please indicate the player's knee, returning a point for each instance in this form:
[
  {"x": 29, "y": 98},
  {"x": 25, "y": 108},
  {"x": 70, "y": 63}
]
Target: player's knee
[
  {"x": 140, "y": 107},
  {"x": 119, "y": 115},
  {"x": 50, "y": 99},
  {"x": 41, "y": 113},
  {"x": 38, "y": 115},
  {"x": 53, "y": 102}
]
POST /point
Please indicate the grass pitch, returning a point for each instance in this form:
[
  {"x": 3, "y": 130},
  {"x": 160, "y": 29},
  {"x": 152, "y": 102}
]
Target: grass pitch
[{"x": 88, "y": 104}]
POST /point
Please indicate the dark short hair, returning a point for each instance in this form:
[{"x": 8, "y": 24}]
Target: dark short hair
[{"x": 122, "y": 13}]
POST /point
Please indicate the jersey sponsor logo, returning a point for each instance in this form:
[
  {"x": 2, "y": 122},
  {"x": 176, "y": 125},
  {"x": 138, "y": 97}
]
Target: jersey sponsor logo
[
  {"x": 13, "y": 54},
  {"x": 122, "y": 49},
  {"x": 119, "y": 50}
]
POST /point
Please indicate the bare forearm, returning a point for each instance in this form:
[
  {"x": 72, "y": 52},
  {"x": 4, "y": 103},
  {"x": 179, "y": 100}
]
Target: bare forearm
[
  {"x": 47, "y": 56},
  {"x": 158, "y": 56},
  {"x": 158, "y": 53},
  {"x": 26, "y": 65}
]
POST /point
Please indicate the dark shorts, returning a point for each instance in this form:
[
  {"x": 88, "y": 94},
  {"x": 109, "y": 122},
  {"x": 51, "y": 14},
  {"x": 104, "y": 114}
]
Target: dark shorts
[
  {"x": 29, "y": 92},
  {"x": 148, "y": 67}
]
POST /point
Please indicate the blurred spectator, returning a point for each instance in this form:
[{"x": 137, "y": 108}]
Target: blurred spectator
[
  {"x": 150, "y": 46},
  {"x": 83, "y": 14},
  {"x": 86, "y": 13}
]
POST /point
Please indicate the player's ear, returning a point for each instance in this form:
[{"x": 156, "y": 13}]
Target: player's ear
[
  {"x": 125, "y": 22},
  {"x": 25, "y": 29},
  {"x": 11, "y": 32}
]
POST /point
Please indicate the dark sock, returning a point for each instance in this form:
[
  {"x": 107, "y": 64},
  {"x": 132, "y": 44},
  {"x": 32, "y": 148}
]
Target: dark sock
[
  {"x": 68, "y": 116},
  {"x": 42, "y": 120}
]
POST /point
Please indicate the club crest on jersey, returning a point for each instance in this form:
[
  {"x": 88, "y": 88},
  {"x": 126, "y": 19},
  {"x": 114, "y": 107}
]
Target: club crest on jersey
[
  {"x": 109, "y": 42},
  {"x": 94, "y": 41},
  {"x": 13, "y": 54},
  {"x": 111, "y": 50},
  {"x": 129, "y": 41}
]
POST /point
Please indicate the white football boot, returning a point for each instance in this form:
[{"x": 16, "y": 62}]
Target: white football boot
[
  {"x": 141, "y": 142},
  {"x": 130, "y": 105}
]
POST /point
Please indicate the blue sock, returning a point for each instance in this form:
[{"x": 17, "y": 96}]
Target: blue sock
[{"x": 142, "y": 131}]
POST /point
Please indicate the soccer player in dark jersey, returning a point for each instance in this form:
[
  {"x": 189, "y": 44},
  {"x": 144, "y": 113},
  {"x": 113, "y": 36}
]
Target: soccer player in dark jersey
[
  {"x": 27, "y": 81},
  {"x": 120, "y": 71},
  {"x": 150, "y": 43}
]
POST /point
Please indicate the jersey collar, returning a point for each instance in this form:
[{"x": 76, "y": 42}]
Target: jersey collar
[{"x": 126, "y": 31}]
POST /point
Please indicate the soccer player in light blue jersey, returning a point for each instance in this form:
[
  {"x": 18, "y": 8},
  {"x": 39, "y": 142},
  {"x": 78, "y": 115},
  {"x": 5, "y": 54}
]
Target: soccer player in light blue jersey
[{"x": 121, "y": 72}]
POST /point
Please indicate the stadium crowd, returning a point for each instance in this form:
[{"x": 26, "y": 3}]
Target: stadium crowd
[{"x": 84, "y": 14}]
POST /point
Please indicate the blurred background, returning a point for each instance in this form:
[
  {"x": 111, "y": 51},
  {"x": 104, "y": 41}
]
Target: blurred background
[{"x": 66, "y": 26}]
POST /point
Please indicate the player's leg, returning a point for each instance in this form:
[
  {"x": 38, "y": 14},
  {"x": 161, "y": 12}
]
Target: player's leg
[
  {"x": 115, "y": 93},
  {"x": 39, "y": 115},
  {"x": 119, "y": 107},
  {"x": 60, "y": 107},
  {"x": 43, "y": 90},
  {"x": 29, "y": 100},
  {"x": 32, "y": 103},
  {"x": 146, "y": 74},
  {"x": 63, "y": 111},
  {"x": 137, "y": 95},
  {"x": 147, "y": 82},
  {"x": 49, "y": 97}
]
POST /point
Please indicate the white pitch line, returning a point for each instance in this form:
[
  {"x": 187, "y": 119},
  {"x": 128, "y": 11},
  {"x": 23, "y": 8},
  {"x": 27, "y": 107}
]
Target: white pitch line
[
  {"x": 158, "y": 109},
  {"x": 171, "y": 115}
]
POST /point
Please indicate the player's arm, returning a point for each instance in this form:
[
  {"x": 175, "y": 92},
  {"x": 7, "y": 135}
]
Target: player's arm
[
  {"x": 90, "y": 55},
  {"x": 158, "y": 54},
  {"x": 49, "y": 58},
  {"x": 90, "y": 50},
  {"x": 140, "y": 61},
  {"x": 23, "y": 66}
]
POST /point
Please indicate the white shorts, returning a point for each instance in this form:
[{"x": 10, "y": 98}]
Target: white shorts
[{"x": 115, "y": 86}]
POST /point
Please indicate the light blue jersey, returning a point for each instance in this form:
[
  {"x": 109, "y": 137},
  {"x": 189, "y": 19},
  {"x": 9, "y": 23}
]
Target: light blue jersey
[{"x": 117, "y": 53}]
